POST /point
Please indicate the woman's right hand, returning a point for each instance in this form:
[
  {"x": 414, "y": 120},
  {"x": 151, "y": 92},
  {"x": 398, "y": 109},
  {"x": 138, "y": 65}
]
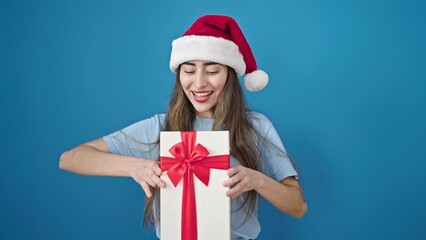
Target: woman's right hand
[{"x": 147, "y": 173}]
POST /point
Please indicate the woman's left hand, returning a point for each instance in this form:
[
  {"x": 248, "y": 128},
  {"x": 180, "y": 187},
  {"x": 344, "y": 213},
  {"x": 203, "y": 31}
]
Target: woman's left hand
[{"x": 242, "y": 179}]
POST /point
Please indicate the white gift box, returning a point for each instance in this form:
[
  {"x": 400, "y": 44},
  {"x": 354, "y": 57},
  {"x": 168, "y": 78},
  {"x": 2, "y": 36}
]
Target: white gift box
[{"x": 212, "y": 206}]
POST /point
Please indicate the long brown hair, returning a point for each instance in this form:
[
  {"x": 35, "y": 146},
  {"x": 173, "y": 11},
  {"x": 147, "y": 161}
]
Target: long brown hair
[{"x": 231, "y": 114}]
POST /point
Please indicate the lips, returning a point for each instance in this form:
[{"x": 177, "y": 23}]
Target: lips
[{"x": 202, "y": 96}]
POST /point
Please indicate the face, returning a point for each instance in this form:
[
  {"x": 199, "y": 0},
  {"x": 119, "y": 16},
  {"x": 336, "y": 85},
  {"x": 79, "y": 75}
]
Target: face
[{"x": 203, "y": 83}]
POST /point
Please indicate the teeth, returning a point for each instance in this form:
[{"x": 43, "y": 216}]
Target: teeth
[{"x": 203, "y": 94}]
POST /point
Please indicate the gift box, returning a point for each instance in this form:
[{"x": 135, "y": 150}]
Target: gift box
[{"x": 193, "y": 205}]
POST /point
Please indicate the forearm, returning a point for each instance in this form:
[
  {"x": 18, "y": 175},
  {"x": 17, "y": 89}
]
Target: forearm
[
  {"x": 286, "y": 197},
  {"x": 88, "y": 160}
]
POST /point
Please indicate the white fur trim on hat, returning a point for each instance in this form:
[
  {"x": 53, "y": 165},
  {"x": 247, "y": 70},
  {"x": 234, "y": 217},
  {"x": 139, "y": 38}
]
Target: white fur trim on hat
[
  {"x": 256, "y": 80},
  {"x": 206, "y": 48}
]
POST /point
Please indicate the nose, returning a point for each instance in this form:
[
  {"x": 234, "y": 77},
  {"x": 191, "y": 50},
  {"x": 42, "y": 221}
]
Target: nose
[{"x": 200, "y": 80}]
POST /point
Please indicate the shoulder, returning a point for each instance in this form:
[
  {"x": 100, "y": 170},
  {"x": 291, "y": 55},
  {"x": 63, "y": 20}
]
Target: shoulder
[
  {"x": 137, "y": 138},
  {"x": 263, "y": 127},
  {"x": 257, "y": 116},
  {"x": 155, "y": 120},
  {"x": 159, "y": 118},
  {"x": 260, "y": 121},
  {"x": 148, "y": 126}
]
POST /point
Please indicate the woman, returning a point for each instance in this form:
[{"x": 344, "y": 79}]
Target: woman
[{"x": 207, "y": 96}]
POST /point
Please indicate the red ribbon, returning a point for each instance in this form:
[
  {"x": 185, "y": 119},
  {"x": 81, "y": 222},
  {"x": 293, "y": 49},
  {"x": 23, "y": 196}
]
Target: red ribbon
[{"x": 190, "y": 159}]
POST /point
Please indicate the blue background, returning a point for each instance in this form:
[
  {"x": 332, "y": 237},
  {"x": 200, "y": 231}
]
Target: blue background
[{"x": 346, "y": 93}]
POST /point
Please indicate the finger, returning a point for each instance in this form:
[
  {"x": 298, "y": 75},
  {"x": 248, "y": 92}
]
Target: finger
[
  {"x": 156, "y": 168},
  {"x": 161, "y": 183},
  {"x": 157, "y": 181},
  {"x": 151, "y": 179},
  {"x": 146, "y": 189},
  {"x": 234, "y": 192},
  {"x": 239, "y": 188},
  {"x": 232, "y": 180},
  {"x": 155, "y": 173},
  {"x": 233, "y": 171}
]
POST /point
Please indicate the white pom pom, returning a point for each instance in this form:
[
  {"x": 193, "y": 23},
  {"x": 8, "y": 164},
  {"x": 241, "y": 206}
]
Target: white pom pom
[{"x": 256, "y": 80}]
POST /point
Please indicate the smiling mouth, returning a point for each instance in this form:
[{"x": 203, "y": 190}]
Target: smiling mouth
[{"x": 202, "y": 96}]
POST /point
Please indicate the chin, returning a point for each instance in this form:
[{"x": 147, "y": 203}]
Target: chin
[{"x": 203, "y": 113}]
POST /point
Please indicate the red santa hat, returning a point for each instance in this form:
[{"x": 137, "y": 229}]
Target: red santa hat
[{"x": 218, "y": 38}]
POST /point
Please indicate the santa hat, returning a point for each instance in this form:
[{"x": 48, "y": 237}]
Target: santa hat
[{"x": 218, "y": 38}]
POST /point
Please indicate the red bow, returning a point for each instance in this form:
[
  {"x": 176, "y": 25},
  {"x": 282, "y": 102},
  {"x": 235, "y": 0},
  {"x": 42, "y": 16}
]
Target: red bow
[{"x": 190, "y": 159}]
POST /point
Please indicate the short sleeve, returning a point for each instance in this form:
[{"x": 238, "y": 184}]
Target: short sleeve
[
  {"x": 137, "y": 140},
  {"x": 274, "y": 160}
]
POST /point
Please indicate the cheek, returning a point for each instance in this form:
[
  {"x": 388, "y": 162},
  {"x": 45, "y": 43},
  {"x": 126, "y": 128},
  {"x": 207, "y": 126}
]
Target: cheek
[
  {"x": 185, "y": 88},
  {"x": 184, "y": 83},
  {"x": 220, "y": 83}
]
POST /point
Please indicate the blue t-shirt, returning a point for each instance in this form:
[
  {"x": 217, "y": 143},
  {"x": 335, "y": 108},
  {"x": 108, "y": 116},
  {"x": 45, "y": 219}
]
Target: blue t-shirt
[{"x": 139, "y": 140}]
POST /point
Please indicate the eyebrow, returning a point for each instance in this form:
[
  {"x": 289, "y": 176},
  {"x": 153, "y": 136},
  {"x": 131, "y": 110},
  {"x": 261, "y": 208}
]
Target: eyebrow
[{"x": 205, "y": 64}]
